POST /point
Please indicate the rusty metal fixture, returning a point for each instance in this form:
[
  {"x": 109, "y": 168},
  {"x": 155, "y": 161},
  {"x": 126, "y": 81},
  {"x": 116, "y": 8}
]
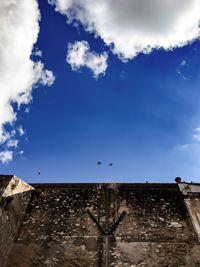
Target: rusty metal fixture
[{"x": 107, "y": 231}]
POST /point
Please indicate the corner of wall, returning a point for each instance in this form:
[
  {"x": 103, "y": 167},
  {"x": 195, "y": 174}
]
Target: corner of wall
[{"x": 13, "y": 203}]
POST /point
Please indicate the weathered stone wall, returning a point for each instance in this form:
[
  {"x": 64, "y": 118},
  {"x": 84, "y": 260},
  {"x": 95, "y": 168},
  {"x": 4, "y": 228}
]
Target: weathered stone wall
[
  {"x": 68, "y": 226},
  {"x": 14, "y": 198},
  {"x": 157, "y": 230},
  {"x": 191, "y": 194}
]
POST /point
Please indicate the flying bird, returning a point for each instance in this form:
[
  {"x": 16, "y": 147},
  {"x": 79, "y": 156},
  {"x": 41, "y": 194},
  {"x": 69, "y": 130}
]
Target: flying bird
[
  {"x": 39, "y": 173},
  {"x": 98, "y": 162},
  {"x": 110, "y": 164}
]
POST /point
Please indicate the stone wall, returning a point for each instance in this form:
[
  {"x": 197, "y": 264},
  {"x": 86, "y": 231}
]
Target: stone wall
[
  {"x": 191, "y": 194},
  {"x": 101, "y": 225},
  {"x": 14, "y": 198}
]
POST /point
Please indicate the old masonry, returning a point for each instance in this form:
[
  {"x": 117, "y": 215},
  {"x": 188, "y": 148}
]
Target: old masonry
[{"x": 99, "y": 225}]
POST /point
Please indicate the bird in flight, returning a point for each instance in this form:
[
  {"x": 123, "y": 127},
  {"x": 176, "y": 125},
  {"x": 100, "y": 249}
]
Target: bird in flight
[
  {"x": 99, "y": 163},
  {"x": 110, "y": 164}
]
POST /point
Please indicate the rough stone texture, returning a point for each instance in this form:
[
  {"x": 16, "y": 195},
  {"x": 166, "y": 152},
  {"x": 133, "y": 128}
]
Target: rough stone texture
[
  {"x": 189, "y": 189},
  {"x": 14, "y": 198},
  {"x": 192, "y": 201},
  {"x": 57, "y": 230}
]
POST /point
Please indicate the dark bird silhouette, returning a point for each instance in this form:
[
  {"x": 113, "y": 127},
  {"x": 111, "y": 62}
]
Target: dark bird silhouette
[
  {"x": 110, "y": 164},
  {"x": 98, "y": 162},
  {"x": 39, "y": 173}
]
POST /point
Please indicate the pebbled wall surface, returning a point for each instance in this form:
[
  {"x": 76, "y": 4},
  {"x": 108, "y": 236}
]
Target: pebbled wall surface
[{"x": 156, "y": 230}]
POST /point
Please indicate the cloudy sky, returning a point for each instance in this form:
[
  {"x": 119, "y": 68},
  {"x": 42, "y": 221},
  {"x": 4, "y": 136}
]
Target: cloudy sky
[{"x": 115, "y": 81}]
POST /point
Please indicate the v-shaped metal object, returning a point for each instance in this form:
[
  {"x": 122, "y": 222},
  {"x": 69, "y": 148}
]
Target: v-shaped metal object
[{"x": 106, "y": 231}]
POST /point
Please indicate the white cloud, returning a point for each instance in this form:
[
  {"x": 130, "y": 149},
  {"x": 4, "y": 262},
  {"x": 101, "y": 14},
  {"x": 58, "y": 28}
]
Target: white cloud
[
  {"x": 184, "y": 146},
  {"x": 19, "y": 28},
  {"x": 4, "y": 136},
  {"x": 44, "y": 77},
  {"x": 181, "y": 68},
  {"x": 12, "y": 143},
  {"x": 20, "y": 130},
  {"x": 79, "y": 55},
  {"x": 196, "y": 136},
  {"x": 130, "y": 27},
  {"x": 27, "y": 110},
  {"x": 6, "y": 156},
  {"x": 38, "y": 53},
  {"x": 183, "y": 63}
]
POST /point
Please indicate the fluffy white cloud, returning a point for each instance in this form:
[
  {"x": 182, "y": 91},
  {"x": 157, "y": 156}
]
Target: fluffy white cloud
[
  {"x": 79, "y": 55},
  {"x": 19, "y": 28},
  {"x": 133, "y": 26},
  {"x": 6, "y": 156},
  {"x": 42, "y": 76}
]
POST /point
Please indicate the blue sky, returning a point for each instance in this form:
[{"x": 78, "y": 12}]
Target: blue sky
[{"x": 142, "y": 115}]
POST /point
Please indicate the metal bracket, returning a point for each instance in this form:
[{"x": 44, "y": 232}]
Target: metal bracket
[{"x": 106, "y": 231}]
